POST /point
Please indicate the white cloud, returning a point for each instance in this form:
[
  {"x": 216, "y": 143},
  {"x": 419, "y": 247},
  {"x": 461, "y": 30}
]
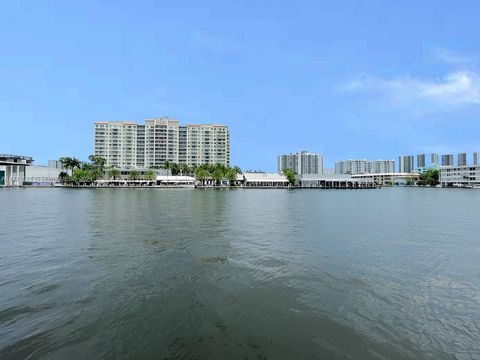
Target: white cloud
[
  {"x": 453, "y": 58},
  {"x": 454, "y": 89}
]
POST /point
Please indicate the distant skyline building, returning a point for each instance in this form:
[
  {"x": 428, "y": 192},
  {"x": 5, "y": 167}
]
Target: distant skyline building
[
  {"x": 462, "y": 159},
  {"x": 301, "y": 163},
  {"x": 352, "y": 166},
  {"x": 434, "y": 159},
  {"x": 447, "y": 160},
  {"x": 405, "y": 164},
  {"x": 381, "y": 166},
  {"x": 126, "y": 144},
  {"x": 420, "y": 161},
  {"x": 476, "y": 158},
  {"x": 363, "y": 166}
]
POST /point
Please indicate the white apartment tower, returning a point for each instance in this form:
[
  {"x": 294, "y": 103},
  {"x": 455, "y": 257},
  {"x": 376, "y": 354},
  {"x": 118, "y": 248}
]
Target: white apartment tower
[
  {"x": 206, "y": 144},
  {"x": 352, "y": 166},
  {"x": 116, "y": 141},
  {"x": 129, "y": 145},
  {"x": 381, "y": 166},
  {"x": 301, "y": 163}
]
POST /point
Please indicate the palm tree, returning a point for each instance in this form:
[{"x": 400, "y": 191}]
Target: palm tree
[
  {"x": 75, "y": 163},
  {"x": 175, "y": 168},
  {"x": 150, "y": 175},
  {"x": 98, "y": 162},
  {"x": 63, "y": 177},
  {"x": 166, "y": 166},
  {"x": 217, "y": 175},
  {"x": 237, "y": 169},
  {"x": 201, "y": 174},
  {"x": 184, "y": 169},
  {"x": 231, "y": 175},
  {"x": 114, "y": 173},
  {"x": 70, "y": 163},
  {"x": 133, "y": 175}
]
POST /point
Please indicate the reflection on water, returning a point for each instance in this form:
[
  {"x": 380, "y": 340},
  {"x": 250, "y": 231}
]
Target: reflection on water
[{"x": 193, "y": 274}]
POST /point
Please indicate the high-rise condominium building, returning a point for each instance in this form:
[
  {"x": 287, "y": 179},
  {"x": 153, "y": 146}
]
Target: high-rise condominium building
[
  {"x": 362, "y": 166},
  {"x": 462, "y": 159},
  {"x": 420, "y": 161},
  {"x": 352, "y": 166},
  {"x": 130, "y": 145},
  {"x": 434, "y": 159},
  {"x": 301, "y": 163},
  {"x": 381, "y": 166},
  {"x": 476, "y": 158},
  {"x": 405, "y": 164},
  {"x": 447, "y": 160}
]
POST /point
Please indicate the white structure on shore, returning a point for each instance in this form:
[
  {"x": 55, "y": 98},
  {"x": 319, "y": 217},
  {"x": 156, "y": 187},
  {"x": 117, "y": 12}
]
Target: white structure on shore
[
  {"x": 129, "y": 145},
  {"x": 467, "y": 175},
  {"x": 12, "y": 169},
  {"x": 264, "y": 180},
  {"x": 300, "y": 163},
  {"x": 390, "y": 179}
]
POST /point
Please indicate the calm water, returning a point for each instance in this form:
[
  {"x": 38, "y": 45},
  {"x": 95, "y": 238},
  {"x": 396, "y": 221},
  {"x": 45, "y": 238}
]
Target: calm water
[{"x": 241, "y": 274}]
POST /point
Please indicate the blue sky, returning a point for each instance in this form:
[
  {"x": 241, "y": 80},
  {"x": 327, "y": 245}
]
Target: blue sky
[{"x": 348, "y": 79}]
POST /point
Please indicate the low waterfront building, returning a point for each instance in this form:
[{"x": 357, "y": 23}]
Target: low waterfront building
[
  {"x": 55, "y": 164},
  {"x": 264, "y": 180},
  {"x": 335, "y": 181},
  {"x": 390, "y": 179},
  {"x": 175, "y": 180},
  {"x": 460, "y": 175},
  {"x": 12, "y": 169},
  {"x": 302, "y": 162},
  {"x": 37, "y": 175}
]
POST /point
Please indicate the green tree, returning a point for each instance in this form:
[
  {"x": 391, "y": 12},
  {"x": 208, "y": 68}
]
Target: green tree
[
  {"x": 97, "y": 161},
  {"x": 113, "y": 173},
  {"x": 231, "y": 176},
  {"x": 63, "y": 177},
  {"x": 166, "y": 165},
  {"x": 201, "y": 175},
  {"x": 70, "y": 163},
  {"x": 185, "y": 169},
  {"x": 290, "y": 175},
  {"x": 237, "y": 169},
  {"x": 150, "y": 175},
  {"x": 95, "y": 174},
  {"x": 429, "y": 177},
  {"x": 133, "y": 175},
  {"x": 217, "y": 175},
  {"x": 80, "y": 176},
  {"x": 175, "y": 168}
]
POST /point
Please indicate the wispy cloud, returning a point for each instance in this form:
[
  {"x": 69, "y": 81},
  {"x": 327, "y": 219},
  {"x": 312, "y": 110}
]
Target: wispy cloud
[
  {"x": 453, "y": 58},
  {"x": 459, "y": 88}
]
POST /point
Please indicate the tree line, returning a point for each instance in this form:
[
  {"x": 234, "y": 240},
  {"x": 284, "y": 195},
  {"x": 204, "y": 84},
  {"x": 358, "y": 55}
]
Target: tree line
[{"x": 85, "y": 173}]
